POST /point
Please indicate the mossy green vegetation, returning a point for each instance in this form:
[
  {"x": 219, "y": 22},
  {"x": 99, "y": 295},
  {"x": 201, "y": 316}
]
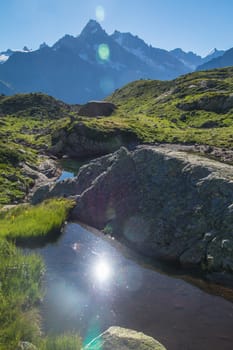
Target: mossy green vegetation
[
  {"x": 21, "y": 275},
  {"x": 20, "y": 280},
  {"x": 195, "y": 108},
  {"x": 26, "y": 124},
  {"x": 26, "y": 223},
  {"x": 68, "y": 341},
  {"x": 20, "y": 290}
]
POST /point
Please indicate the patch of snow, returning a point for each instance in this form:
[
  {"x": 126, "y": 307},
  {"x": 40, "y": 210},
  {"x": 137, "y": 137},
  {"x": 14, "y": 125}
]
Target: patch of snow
[
  {"x": 3, "y": 58},
  {"x": 211, "y": 52}
]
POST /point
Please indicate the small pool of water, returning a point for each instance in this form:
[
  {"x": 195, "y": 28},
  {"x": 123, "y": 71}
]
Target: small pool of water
[
  {"x": 70, "y": 167},
  {"x": 92, "y": 285},
  {"x": 66, "y": 175}
]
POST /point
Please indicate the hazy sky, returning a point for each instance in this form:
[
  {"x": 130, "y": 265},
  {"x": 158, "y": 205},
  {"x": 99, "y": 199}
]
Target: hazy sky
[{"x": 197, "y": 25}]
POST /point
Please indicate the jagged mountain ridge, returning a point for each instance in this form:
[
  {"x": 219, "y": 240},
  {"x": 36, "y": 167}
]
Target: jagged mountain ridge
[
  {"x": 6, "y": 54},
  {"x": 192, "y": 60},
  {"x": 89, "y": 66},
  {"x": 224, "y": 60},
  {"x": 148, "y": 54}
]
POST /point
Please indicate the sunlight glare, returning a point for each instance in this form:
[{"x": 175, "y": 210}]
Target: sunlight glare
[
  {"x": 102, "y": 271},
  {"x": 100, "y": 13}
]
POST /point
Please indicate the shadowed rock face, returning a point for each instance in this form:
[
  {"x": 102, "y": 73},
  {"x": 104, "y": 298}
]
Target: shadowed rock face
[
  {"x": 117, "y": 338},
  {"x": 82, "y": 141},
  {"x": 97, "y": 108},
  {"x": 166, "y": 204}
]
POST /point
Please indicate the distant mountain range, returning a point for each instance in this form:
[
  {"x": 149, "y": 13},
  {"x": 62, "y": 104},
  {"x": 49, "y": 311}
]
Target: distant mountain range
[
  {"x": 92, "y": 65},
  {"x": 192, "y": 61},
  {"x": 224, "y": 60},
  {"x": 6, "y": 54}
]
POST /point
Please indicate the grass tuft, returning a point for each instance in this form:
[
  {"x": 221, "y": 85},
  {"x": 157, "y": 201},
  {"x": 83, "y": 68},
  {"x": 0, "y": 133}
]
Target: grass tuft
[
  {"x": 27, "y": 223},
  {"x": 68, "y": 341},
  {"x": 20, "y": 280}
]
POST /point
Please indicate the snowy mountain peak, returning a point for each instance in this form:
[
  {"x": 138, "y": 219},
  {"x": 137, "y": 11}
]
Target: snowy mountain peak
[{"x": 213, "y": 51}]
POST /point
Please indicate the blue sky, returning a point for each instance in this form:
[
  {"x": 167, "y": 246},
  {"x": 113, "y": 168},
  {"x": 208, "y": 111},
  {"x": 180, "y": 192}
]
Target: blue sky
[{"x": 191, "y": 25}]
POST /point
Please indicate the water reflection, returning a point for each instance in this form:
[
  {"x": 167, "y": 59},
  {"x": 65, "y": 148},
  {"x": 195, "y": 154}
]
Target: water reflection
[
  {"x": 102, "y": 271},
  {"x": 65, "y": 175},
  {"x": 91, "y": 286}
]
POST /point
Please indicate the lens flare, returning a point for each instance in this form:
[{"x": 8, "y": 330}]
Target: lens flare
[
  {"x": 102, "y": 271},
  {"x": 100, "y": 13},
  {"x": 103, "y": 52}
]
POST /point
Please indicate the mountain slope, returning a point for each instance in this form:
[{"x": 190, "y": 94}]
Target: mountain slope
[
  {"x": 27, "y": 122},
  {"x": 215, "y": 53},
  {"x": 89, "y": 66},
  {"x": 225, "y": 60},
  {"x": 166, "y": 66},
  {"x": 191, "y": 60},
  {"x": 5, "y": 89}
]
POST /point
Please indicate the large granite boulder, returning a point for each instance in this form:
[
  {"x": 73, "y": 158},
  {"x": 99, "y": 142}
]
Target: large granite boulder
[
  {"x": 166, "y": 204},
  {"x": 117, "y": 338}
]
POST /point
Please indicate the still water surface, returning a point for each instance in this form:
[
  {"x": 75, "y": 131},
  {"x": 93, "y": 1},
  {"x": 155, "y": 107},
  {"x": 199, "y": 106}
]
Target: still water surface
[{"x": 92, "y": 285}]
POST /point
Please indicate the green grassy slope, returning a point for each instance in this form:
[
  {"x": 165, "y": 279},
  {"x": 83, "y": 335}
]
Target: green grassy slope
[
  {"x": 26, "y": 124},
  {"x": 25, "y": 223},
  {"x": 195, "y": 108}
]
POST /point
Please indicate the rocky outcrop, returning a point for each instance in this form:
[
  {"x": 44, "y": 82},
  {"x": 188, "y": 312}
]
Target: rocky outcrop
[
  {"x": 117, "y": 338},
  {"x": 42, "y": 175},
  {"x": 79, "y": 140},
  {"x": 97, "y": 108},
  {"x": 167, "y": 204},
  {"x": 218, "y": 103}
]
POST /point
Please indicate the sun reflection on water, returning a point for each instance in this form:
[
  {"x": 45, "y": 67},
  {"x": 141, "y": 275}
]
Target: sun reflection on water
[{"x": 102, "y": 271}]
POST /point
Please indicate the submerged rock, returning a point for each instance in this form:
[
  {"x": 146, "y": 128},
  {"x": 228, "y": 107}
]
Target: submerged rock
[{"x": 117, "y": 338}]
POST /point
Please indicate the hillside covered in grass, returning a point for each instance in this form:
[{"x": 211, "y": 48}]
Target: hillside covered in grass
[
  {"x": 195, "y": 109},
  {"x": 26, "y": 124}
]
